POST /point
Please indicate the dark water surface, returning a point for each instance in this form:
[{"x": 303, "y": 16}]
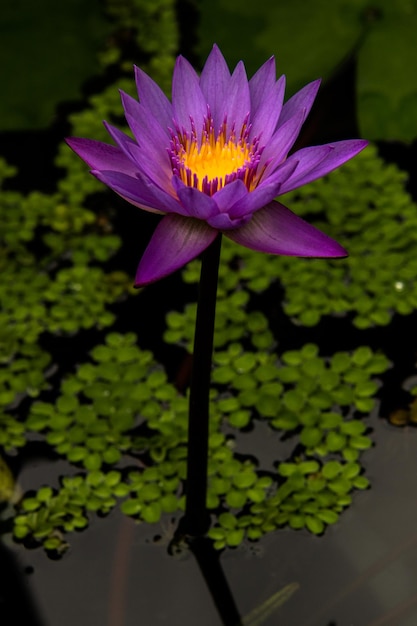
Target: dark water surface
[{"x": 362, "y": 572}]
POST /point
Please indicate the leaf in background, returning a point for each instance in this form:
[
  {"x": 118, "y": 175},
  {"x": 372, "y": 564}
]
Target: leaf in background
[
  {"x": 51, "y": 50},
  {"x": 309, "y": 39},
  {"x": 313, "y": 39},
  {"x": 386, "y": 72}
]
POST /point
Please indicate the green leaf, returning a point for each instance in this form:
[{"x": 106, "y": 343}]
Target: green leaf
[
  {"x": 308, "y": 467},
  {"x": 223, "y": 374},
  {"x": 92, "y": 461},
  {"x": 151, "y": 513},
  {"x": 362, "y": 356},
  {"x": 169, "y": 503},
  {"x": 293, "y": 400},
  {"x": 330, "y": 420},
  {"x": 245, "y": 363},
  {"x": 228, "y": 405},
  {"x": 311, "y": 437},
  {"x": 287, "y": 469},
  {"x": 314, "y": 524},
  {"x": 236, "y": 499},
  {"x": 30, "y": 504},
  {"x": 351, "y": 455},
  {"x": 297, "y": 521},
  {"x": 235, "y": 537},
  {"x": 131, "y": 507},
  {"x": 240, "y": 419},
  {"x": 335, "y": 441},
  {"x": 256, "y": 494},
  {"x": 227, "y": 521},
  {"x": 331, "y": 469},
  {"x": 245, "y": 479},
  {"x": 340, "y": 362},
  {"x": 328, "y": 516},
  {"x": 216, "y": 533},
  {"x": 361, "y": 482},
  {"x": 386, "y": 91},
  {"x": 365, "y": 405},
  {"x": 341, "y": 486},
  {"x": 53, "y": 543},
  {"x": 360, "y": 442},
  {"x": 352, "y": 427},
  {"x": 366, "y": 389}
]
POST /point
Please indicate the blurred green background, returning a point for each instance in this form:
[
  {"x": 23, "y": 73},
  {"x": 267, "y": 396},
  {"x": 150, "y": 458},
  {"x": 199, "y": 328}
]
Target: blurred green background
[{"x": 49, "y": 49}]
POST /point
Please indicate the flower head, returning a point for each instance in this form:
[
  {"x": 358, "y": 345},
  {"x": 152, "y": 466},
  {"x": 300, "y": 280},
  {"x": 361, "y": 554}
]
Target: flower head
[{"x": 213, "y": 160}]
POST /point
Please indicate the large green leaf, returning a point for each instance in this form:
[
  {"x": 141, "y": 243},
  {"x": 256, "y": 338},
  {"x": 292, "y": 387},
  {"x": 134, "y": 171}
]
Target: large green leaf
[
  {"x": 49, "y": 49},
  {"x": 309, "y": 39},
  {"x": 387, "y": 76},
  {"x": 312, "y": 39}
]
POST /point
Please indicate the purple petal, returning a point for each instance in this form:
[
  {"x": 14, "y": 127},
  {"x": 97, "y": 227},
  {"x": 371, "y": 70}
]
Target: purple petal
[
  {"x": 261, "y": 195},
  {"x": 311, "y": 166},
  {"x": 281, "y": 174},
  {"x": 255, "y": 200},
  {"x": 264, "y": 120},
  {"x": 281, "y": 142},
  {"x": 305, "y": 159},
  {"x": 214, "y": 83},
  {"x": 227, "y": 197},
  {"x": 303, "y": 99},
  {"x": 238, "y": 99},
  {"x": 100, "y": 155},
  {"x": 187, "y": 98},
  {"x": 276, "y": 230},
  {"x": 223, "y": 222},
  {"x": 157, "y": 169},
  {"x": 139, "y": 191},
  {"x": 261, "y": 83},
  {"x": 175, "y": 242},
  {"x": 145, "y": 119},
  {"x": 195, "y": 203},
  {"x": 124, "y": 142},
  {"x": 153, "y": 98},
  {"x": 151, "y": 137}
]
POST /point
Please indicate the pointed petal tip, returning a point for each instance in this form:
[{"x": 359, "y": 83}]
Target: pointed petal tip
[
  {"x": 276, "y": 230},
  {"x": 176, "y": 241}
]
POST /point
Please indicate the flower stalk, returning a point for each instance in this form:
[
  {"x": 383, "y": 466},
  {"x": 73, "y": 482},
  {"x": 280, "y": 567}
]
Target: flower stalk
[{"x": 196, "y": 521}]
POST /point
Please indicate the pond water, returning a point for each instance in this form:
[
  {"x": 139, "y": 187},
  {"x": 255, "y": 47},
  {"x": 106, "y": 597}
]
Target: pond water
[{"x": 363, "y": 571}]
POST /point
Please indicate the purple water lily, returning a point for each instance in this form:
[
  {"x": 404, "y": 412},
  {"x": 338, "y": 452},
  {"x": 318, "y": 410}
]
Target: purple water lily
[{"x": 213, "y": 161}]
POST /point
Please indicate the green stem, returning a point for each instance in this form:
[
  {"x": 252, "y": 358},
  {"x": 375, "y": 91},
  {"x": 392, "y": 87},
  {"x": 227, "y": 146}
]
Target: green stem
[{"x": 196, "y": 521}]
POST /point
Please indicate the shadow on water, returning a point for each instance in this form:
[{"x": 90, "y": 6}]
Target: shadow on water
[
  {"x": 209, "y": 563},
  {"x": 16, "y": 603}
]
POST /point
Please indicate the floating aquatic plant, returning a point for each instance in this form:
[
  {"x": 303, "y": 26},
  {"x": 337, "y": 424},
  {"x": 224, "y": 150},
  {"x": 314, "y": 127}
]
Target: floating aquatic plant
[
  {"x": 139, "y": 463},
  {"x": 366, "y": 207},
  {"x": 212, "y": 161},
  {"x": 120, "y": 407}
]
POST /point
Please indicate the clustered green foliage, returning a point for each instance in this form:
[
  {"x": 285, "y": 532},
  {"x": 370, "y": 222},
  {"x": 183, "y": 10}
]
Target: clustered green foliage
[
  {"x": 58, "y": 284},
  {"x": 119, "y": 406},
  {"x": 365, "y": 207},
  {"x": 156, "y": 37},
  {"x": 98, "y": 405},
  {"x": 46, "y": 288},
  {"x": 118, "y": 420}
]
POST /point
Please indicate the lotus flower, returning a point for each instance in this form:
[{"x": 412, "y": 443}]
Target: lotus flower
[{"x": 213, "y": 160}]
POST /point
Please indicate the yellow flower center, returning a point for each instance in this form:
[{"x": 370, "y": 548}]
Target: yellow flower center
[{"x": 215, "y": 160}]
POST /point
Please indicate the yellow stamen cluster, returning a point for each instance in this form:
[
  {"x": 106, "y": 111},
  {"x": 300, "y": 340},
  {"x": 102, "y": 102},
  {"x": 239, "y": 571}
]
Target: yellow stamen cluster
[{"x": 215, "y": 158}]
